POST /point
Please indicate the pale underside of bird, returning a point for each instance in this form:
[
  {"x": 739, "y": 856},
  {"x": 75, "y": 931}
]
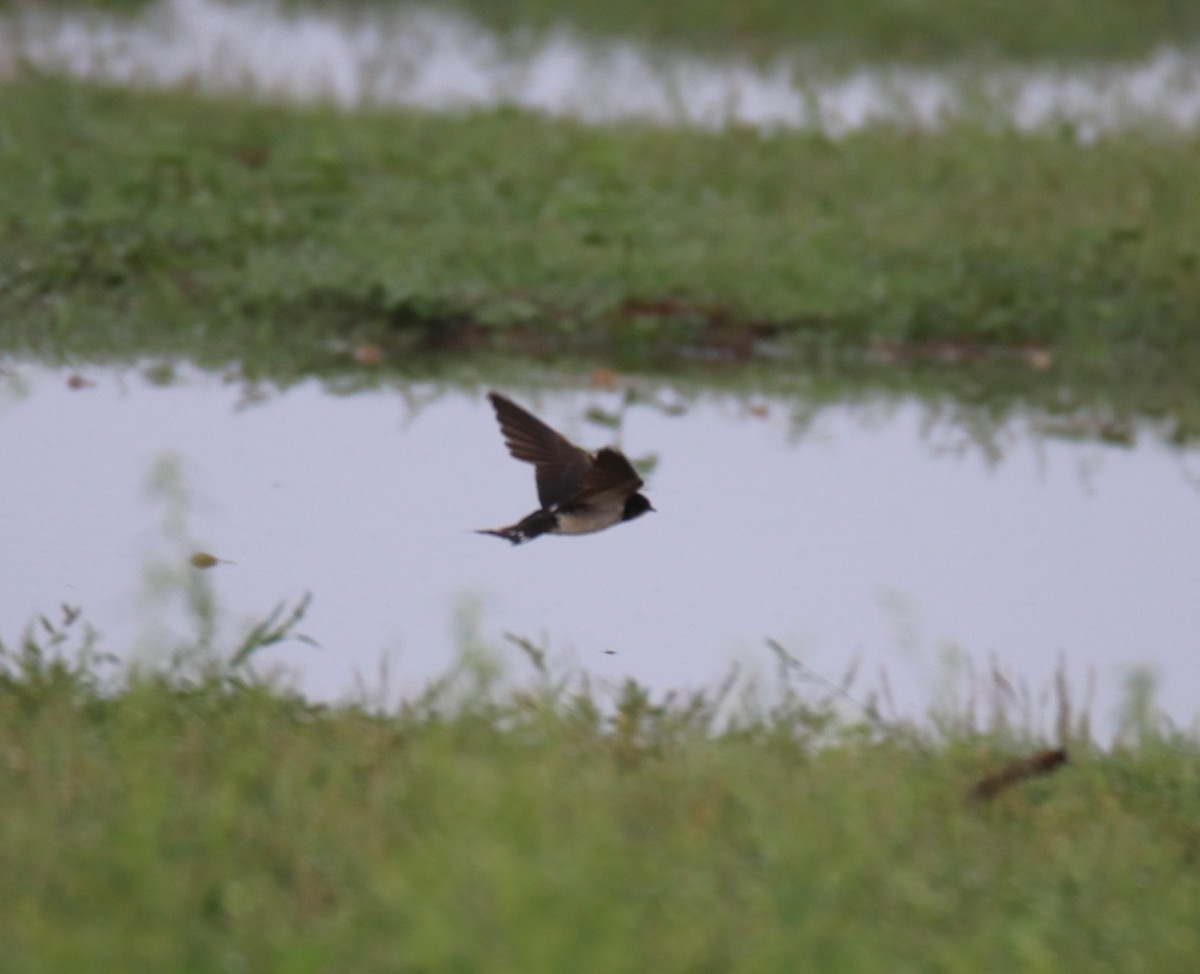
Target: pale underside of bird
[{"x": 579, "y": 492}]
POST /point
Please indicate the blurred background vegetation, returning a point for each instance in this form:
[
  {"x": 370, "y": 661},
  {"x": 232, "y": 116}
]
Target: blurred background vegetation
[{"x": 906, "y": 30}]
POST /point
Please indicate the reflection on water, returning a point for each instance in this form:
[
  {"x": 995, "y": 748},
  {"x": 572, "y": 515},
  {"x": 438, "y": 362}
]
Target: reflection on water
[
  {"x": 875, "y": 532},
  {"x": 429, "y": 58}
]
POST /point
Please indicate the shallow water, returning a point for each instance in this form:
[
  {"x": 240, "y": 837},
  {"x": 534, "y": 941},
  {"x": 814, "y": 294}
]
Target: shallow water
[
  {"x": 876, "y": 532},
  {"x": 428, "y": 58}
]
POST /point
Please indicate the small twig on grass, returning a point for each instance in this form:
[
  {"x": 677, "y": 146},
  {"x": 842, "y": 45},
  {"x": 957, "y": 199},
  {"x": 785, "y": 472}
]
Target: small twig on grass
[
  {"x": 867, "y": 710},
  {"x": 536, "y": 656},
  {"x": 271, "y": 631},
  {"x": 1044, "y": 762}
]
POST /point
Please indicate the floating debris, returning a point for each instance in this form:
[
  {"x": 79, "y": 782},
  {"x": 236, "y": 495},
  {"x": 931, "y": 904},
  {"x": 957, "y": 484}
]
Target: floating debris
[
  {"x": 368, "y": 353},
  {"x": 202, "y": 559},
  {"x": 602, "y": 378}
]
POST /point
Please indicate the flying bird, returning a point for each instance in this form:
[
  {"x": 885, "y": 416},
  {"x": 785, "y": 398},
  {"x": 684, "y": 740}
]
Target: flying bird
[{"x": 580, "y": 492}]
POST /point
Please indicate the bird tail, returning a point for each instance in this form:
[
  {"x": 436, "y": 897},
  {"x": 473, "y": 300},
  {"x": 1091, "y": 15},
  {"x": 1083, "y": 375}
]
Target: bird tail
[
  {"x": 528, "y": 528},
  {"x": 508, "y": 534}
]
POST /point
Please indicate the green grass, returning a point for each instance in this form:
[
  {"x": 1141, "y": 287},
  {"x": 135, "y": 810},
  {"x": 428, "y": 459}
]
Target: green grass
[
  {"x": 202, "y": 209},
  {"x": 197, "y": 820},
  {"x": 922, "y": 30},
  {"x": 281, "y": 238}
]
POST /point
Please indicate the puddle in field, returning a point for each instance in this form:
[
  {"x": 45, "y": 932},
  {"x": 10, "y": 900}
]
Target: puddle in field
[
  {"x": 875, "y": 532},
  {"x": 429, "y": 58}
]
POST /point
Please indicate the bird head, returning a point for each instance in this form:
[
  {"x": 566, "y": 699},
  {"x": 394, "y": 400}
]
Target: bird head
[{"x": 636, "y": 506}]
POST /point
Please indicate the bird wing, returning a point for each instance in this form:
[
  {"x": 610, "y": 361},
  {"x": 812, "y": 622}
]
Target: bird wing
[
  {"x": 611, "y": 478},
  {"x": 562, "y": 467}
]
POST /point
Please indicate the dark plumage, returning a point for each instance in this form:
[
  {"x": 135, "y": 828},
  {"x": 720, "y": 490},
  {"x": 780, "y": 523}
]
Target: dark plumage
[{"x": 579, "y": 492}]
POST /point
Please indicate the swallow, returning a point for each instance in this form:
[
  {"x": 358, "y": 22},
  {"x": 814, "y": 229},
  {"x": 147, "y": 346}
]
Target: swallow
[{"x": 580, "y": 492}]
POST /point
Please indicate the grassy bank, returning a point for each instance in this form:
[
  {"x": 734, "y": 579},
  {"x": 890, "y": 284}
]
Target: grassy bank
[
  {"x": 200, "y": 821},
  {"x": 137, "y": 224}
]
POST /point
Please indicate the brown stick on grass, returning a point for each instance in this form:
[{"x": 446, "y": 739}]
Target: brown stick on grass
[{"x": 1044, "y": 762}]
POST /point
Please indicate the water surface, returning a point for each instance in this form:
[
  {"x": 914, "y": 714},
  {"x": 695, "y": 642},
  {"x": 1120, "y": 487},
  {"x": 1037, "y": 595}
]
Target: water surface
[
  {"x": 428, "y": 58},
  {"x": 881, "y": 532}
]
